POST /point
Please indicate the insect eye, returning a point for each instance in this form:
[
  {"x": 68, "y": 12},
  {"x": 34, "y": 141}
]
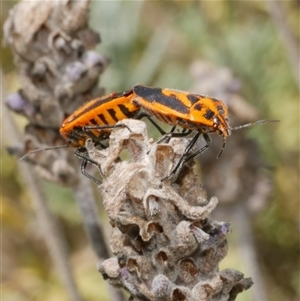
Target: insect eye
[{"x": 220, "y": 110}]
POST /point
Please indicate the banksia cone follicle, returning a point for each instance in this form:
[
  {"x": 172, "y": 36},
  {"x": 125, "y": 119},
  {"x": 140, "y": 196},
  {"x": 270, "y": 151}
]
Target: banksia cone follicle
[{"x": 165, "y": 246}]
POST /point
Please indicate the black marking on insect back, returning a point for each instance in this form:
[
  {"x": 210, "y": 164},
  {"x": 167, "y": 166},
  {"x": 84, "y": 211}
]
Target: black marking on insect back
[
  {"x": 127, "y": 93},
  {"x": 93, "y": 121},
  {"x": 209, "y": 114},
  {"x": 98, "y": 103},
  {"x": 198, "y": 107},
  {"x": 112, "y": 114},
  {"x": 145, "y": 91},
  {"x": 101, "y": 116},
  {"x": 125, "y": 111},
  {"x": 193, "y": 98},
  {"x": 77, "y": 129},
  {"x": 102, "y": 101},
  {"x": 153, "y": 95},
  {"x": 172, "y": 102}
]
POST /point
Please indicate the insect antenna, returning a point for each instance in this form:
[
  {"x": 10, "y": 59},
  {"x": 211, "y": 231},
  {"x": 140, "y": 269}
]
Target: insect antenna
[
  {"x": 259, "y": 122},
  {"x": 222, "y": 149},
  {"x": 42, "y": 149}
]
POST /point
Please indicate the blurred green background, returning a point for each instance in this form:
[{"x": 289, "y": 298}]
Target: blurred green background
[{"x": 155, "y": 43}]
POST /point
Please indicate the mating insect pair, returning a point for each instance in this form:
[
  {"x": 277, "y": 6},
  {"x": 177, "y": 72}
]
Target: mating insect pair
[{"x": 192, "y": 112}]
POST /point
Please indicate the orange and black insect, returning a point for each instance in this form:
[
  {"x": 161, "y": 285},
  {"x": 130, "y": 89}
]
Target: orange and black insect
[
  {"x": 94, "y": 120},
  {"x": 192, "y": 112},
  {"x": 97, "y": 118}
]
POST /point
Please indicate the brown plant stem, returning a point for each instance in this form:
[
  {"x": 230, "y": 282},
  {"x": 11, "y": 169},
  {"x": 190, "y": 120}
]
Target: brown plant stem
[
  {"x": 58, "y": 68},
  {"x": 85, "y": 200},
  {"x": 51, "y": 234}
]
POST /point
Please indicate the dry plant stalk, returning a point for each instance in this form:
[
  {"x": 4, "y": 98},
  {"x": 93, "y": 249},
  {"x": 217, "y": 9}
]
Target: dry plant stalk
[
  {"x": 58, "y": 71},
  {"x": 165, "y": 246}
]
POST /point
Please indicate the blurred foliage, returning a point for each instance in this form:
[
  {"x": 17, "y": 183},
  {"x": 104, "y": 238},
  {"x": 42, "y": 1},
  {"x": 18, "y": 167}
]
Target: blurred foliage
[{"x": 154, "y": 43}]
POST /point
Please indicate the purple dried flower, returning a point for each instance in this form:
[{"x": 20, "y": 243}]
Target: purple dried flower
[{"x": 20, "y": 105}]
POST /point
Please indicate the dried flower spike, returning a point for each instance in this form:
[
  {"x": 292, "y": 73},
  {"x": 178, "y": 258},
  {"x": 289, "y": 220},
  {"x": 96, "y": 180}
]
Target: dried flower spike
[{"x": 165, "y": 246}]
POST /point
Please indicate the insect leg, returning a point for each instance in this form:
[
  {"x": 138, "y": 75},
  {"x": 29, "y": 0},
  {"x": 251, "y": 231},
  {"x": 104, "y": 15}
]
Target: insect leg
[
  {"x": 85, "y": 160},
  {"x": 184, "y": 156},
  {"x": 83, "y": 171},
  {"x": 201, "y": 150},
  {"x": 143, "y": 114},
  {"x": 166, "y": 138}
]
